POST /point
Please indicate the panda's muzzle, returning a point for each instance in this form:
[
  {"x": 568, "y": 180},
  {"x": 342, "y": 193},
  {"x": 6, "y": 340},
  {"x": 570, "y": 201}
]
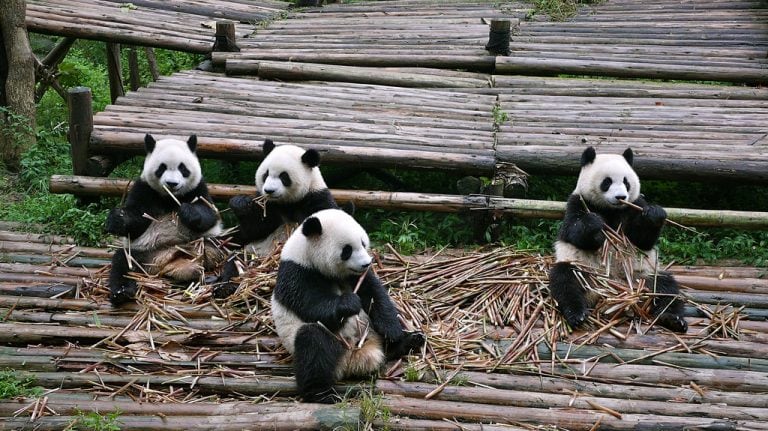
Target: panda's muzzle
[{"x": 173, "y": 185}]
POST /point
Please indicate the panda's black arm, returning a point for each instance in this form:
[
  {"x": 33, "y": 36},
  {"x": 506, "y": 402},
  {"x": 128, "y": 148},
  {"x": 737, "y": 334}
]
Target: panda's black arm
[
  {"x": 380, "y": 308},
  {"x": 130, "y": 220},
  {"x": 195, "y": 211},
  {"x": 254, "y": 222},
  {"x": 581, "y": 227},
  {"x": 644, "y": 227},
  {"x": 313, "y": 297}
]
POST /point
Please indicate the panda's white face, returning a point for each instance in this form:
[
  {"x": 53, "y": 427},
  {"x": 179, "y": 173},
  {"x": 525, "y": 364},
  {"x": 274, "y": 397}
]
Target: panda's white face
[
  {"x": 607, "y": 179},
  {"x": 332, "y": 242},
  {"x": 285, "y": 175},
  {"x": 171, "y": 164}
]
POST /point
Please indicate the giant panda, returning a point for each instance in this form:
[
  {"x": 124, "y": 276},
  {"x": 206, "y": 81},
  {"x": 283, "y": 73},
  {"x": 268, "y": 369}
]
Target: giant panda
[
  {"x": 604, "y": 182},
  {"x": 158, "y": 227},
  {"x": 332, "y": 331},
  {"x": 289, "y": 178}
]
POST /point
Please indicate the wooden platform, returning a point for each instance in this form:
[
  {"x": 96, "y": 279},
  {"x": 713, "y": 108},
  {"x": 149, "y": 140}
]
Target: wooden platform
[
  {"x": 658, "y": 39},
  {"x": 178, "y": 25},
  {"x": 186, "y": 363}
]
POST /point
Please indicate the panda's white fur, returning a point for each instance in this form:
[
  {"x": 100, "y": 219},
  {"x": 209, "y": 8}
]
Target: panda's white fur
[
  {"x": 166, "y": 209},
  {"x": 624, "y": 185},
  {"x": 322, "y": 254},
  {"x": 605, "y": 183},
  {"x": 166, "y": 231},
  {"x": 287, "y": 159}
]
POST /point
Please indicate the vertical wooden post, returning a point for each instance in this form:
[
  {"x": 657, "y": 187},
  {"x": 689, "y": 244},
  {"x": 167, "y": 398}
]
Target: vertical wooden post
[
  {"x": 114, "y": 70},
  {"x": 498, "y": 37},
  {"x": 305, "y": 3},
  {"x": 152, "y": 63},
  {"x": 133, "y": 68},
  {"x": 225, "y": 37},
  {"x": 80, "y": 104}
]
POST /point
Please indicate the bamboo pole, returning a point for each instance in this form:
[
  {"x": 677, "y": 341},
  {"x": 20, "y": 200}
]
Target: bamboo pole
[{"x": 433, "y": 202}]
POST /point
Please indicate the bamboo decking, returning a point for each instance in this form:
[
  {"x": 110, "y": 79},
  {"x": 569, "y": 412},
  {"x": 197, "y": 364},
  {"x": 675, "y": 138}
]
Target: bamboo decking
[
  {"x": 189, "y": 364},
  {"x": 171, "y": 24}
]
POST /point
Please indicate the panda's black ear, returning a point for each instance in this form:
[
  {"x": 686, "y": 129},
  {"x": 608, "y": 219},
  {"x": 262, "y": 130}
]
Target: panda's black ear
[
  {"x": 149, "y": 143},
  {"x": 311, "y": 158},
  {"x": 192, "y": 143},
  {"x": 588, "y": 156},
  {"x": 628, "y": 156},
  {"x": 311, "y": 227},
  {"x": 268, "y": 146},
  {"x": 349, "y": 208}
]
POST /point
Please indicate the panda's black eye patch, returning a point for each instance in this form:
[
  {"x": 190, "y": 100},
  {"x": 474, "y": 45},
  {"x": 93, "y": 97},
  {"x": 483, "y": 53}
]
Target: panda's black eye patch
[
  {"x": 160, "y": 170},
  {"x": 264, "y": 177},
  {"x": 346, "y": 252},
  {"x": 184, "y": 170},
  {"x": 626, "y": 183},
  {"x": 606, "y": 184},
  {"x": 286, "y": 179}
]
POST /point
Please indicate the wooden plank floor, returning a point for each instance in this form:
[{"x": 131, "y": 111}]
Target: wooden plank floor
[
  {"x": 178, "y": 25},
  {"x": 662, "y": 39},
  {"x": 362, "y": 124},
  {"x": 60, "y": 331},
  {"x": 677, "y": 130}
]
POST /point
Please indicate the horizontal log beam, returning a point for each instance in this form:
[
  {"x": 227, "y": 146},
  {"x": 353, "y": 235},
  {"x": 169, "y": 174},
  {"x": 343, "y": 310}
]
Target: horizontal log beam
[{"x": 524, "y": 208}]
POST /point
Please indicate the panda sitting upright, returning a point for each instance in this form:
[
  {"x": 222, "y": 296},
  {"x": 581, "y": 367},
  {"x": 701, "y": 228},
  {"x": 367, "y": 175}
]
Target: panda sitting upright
[
  {"x": 157, "y": 225},
  {"x": 604, "y": 182},
  {"x": 290, "y": 179},
  {"x": 332, "y": 331}
]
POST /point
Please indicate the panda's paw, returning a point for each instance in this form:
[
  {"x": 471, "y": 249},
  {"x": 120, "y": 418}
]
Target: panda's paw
[
  {"x": 673, "y": 322},
  {"x": 349, "y": 305},
  {"x": 116, "y": 222},
  {"x": 123, "y": 293},
  {"x": 225, "y": 290},
  {"x": 654, "y": 214},
  {"x": 415, "y": 340},
  {"x": 575, "y": 316},
  {"x": 190, "y": 216},
  {"x": 241, "y": 205}
]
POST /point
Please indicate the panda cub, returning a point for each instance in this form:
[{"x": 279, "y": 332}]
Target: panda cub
[
  {"x": 156, "y": 225},
  {"x": 332, "y": 331},
  {"x": 604, "y": 181},
  {"x": 290, "y": 179}
]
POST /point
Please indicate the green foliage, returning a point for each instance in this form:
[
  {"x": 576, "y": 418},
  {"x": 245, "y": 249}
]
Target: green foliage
[
  {"x": 93, "y": 421},
  {"x": 13, "y": 385},
  {"x": 411, "y": 373},
  {"x": 556, "y": 10},
  {"x": 372, "y": 408},
  {"x": 410, "y": 232},
  {"x": 15, "y": 128},
  {"x": 499, "y": 116}
]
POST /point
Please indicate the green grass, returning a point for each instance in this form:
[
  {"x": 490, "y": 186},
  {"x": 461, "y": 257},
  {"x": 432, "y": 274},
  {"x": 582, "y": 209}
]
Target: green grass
[
  {"x": 95, "y": 421},
  {"x": 13, "y": 385}
]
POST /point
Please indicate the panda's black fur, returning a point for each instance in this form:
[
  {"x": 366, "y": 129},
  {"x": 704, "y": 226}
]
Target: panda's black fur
[
  {"x": 603, "y": 182},
  {"x": 290, "y": 178},
  {"x": 154, "y": 224},
  {"x": 314, "y": 306}
]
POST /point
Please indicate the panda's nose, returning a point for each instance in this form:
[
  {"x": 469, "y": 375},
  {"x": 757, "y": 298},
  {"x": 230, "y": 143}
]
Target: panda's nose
[
  {"x": 621, "y": 197},
  {"x": 269, "y": 191},
  {"x": 171, "y": 184},
  {"x": 365, "y": 265}
]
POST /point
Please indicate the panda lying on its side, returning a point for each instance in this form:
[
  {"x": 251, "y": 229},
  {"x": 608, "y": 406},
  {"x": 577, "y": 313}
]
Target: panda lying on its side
[
  {"x": 290, "y": 179},
  {"x": 154, "y": 224},
  {"x": 332, "y": 331},
  {"x": 604, "y": 181}
]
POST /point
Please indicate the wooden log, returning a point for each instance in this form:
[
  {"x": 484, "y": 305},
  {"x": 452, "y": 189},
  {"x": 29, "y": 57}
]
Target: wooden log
[
  {"x": 517, "y": 65},
  {"x": 543, "y": 400},
  {"x": 225, "y": 39},
  {"x": 80, "y": 107},
  {"x": 572, "y": 419},
  {"x": 523, "y": 208},
  {"x": 152, "y": 63},
  {"x": 134, "y": 75},
  {"x": 475, "y": 61},
  {"x": 63, "y": 250},
  {"x": 38, "y": 291},
  {"x": 114, "y": 71},
  {"x": 51, "y": 63},
  {"x": 498, "y": 37},
  {"x": 320, "y": 72}
]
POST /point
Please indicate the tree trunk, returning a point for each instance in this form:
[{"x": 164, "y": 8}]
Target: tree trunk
[{"x": 17, "y": 85}]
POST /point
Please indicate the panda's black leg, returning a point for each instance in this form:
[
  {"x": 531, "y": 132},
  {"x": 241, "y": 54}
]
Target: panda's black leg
[
  {"x": 569, "y": 294},
  {"x": 668, "y": 306},
  {"x": 224, "y": 287},
  {"x": 409, "y": 342},
  {"x": 121, "y": 289},
  {"x": 315, "y": 358}
]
